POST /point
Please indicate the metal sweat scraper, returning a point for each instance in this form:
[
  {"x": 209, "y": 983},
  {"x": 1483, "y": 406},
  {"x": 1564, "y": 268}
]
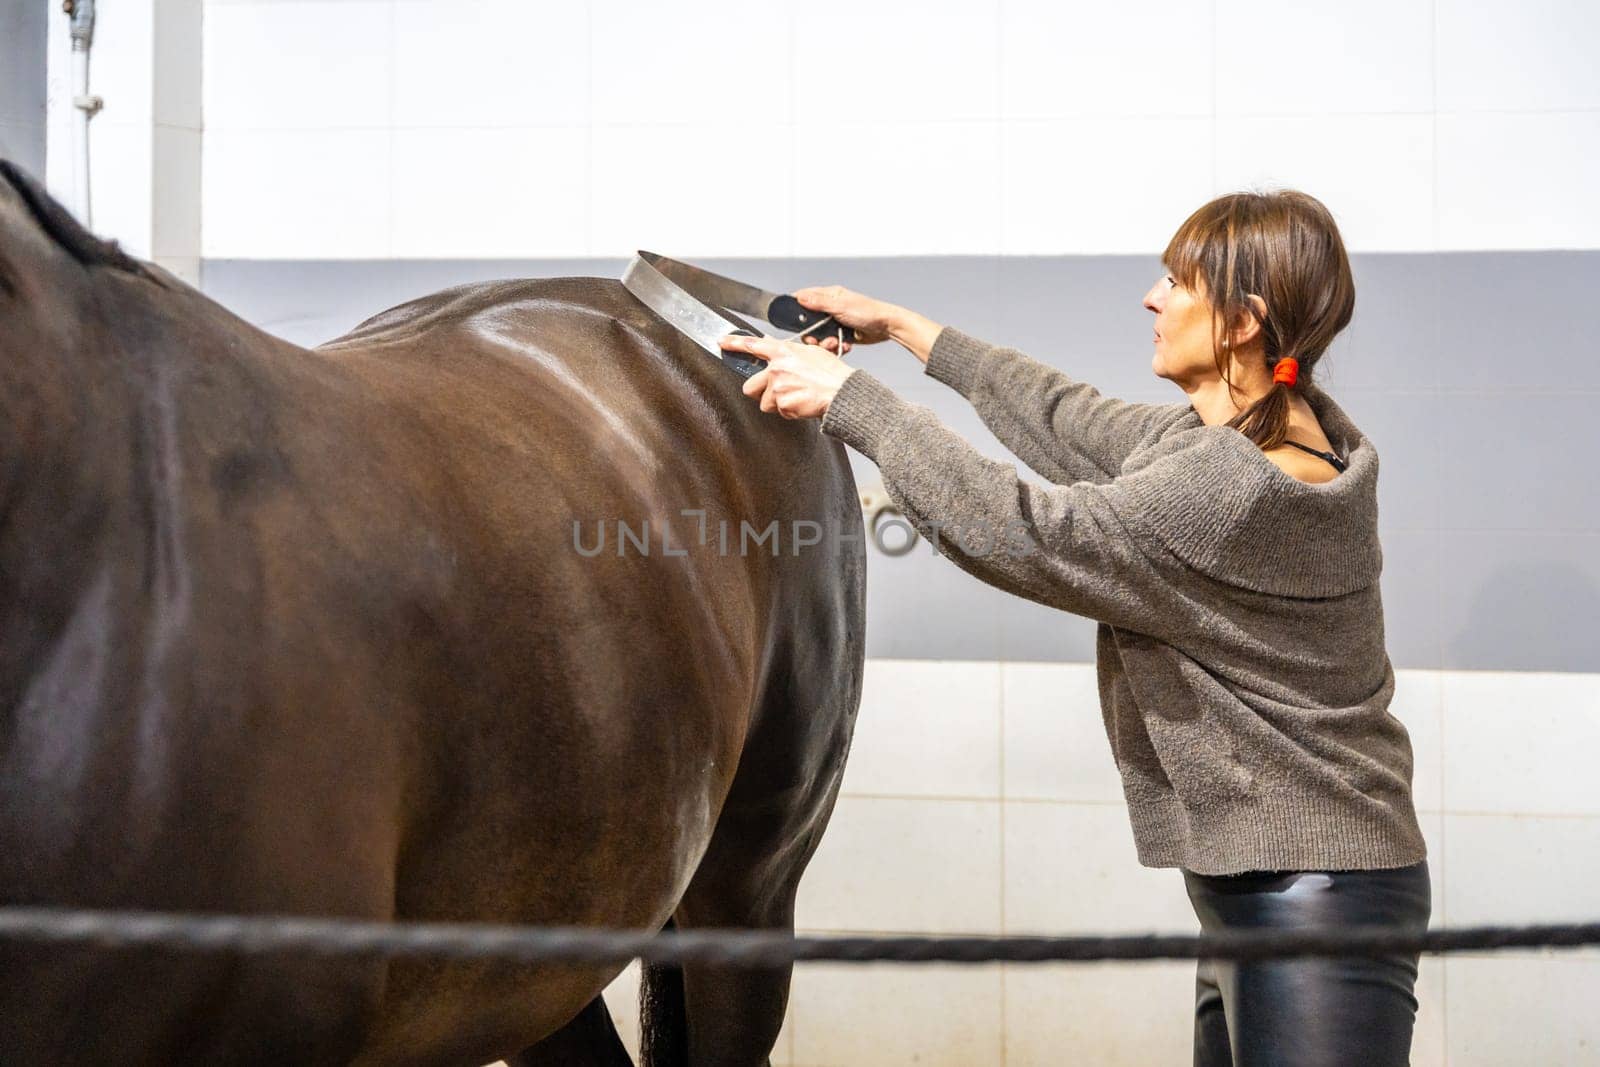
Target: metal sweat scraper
[{"x": 701, "y": 305}]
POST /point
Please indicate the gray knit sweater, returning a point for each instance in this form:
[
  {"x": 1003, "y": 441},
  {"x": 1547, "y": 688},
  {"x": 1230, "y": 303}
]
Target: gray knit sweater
[{"x": 1243, "y": 677}]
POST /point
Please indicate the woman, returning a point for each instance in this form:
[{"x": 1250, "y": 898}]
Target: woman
[{"x": 1229, "y": 549}]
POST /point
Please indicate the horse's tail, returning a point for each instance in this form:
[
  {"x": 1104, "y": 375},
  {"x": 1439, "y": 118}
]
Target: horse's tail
[{"x": 663, "y": 1016}]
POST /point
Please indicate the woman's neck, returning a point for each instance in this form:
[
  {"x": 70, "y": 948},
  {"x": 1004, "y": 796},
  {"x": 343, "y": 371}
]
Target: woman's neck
[{"x": 1216, "y": 403}]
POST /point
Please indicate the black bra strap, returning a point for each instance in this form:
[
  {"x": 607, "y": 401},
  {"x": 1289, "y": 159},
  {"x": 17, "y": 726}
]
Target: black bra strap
[{"x": 1329, "y": 456}]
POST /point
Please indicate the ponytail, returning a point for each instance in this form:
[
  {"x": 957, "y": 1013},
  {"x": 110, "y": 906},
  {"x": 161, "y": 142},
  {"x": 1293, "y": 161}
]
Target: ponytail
[{"x": 1266, "y": 422}]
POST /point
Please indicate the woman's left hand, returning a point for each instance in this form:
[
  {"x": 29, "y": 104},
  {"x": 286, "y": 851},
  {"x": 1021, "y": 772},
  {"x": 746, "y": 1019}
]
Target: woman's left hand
[{"x": 799, "y": 380}]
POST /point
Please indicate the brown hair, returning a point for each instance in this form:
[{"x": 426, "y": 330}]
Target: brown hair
[{"x": 1284, "y": 247}]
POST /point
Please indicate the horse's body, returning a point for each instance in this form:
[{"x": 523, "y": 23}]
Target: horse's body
[{"x": 291, "y": 631}]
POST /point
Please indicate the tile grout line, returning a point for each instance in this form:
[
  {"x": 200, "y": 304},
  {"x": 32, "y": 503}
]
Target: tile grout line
[
  {"x": 794, "y": 192},
  {"x": 390, "y": 222},
  {"x": 588, "y": 130},
  {"x": 1000, "y": 686},
  {"x": 1438, "y": 510},
  {"x": 1000, "y": 667}
]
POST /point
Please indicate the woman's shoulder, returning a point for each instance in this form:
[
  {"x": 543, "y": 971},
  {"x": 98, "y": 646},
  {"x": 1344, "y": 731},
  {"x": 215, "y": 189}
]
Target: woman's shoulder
[{"x": 1204, "y": 494}]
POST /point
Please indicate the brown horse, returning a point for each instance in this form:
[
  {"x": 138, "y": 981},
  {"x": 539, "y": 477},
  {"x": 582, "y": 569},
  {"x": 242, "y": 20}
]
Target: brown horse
[{"x": 323, "y": 632}]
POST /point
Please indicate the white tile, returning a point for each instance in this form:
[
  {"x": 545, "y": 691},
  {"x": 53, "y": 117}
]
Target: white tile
[
  {"x": 175, "y": 226},
  {"x": 1055, "y": 737},
  {"x": 121, "y": 185},
  {"x": 1518, "y": 1010},
  {"x": 297, "y": 66},
  {"x": 726, "y": 62},
  {"x": 1073, "y": 868},
  {"x": 266, "y": 199},
  {"x": 1373, "y": 172},
  {"x": 1519, "y": 181},
  {"x": 1428, "y": 1033},
  {"x": 1274, "y": 58},
  {"x": 1433, "y": 837},
  {"x": 661, "y": 188},
  {"x": 1097, "y": 60},
  {"x": 929, "y": 866},
  {"x": 1521, "y": 741},
  {"x": 505, "y": 193},
  {"x": 474, "y": 63},
  {"x": 925, "y": 1015},
  {"x": 622, "y": 1000},
  {"x": 122, "y": 67},
  {"x": 898, "y": 189},
  {"x": 1541, "y": 57},
  {"x": 1520, "y": 869},
  {"x": 56, "y": 170},
  {"x": 186, "y": 268},
  {"x": 927, "y": 728},
  {"x": 178, "y": 66},
  {"x": 896, "y": 60},
  {"x": 1417, "y": 703},
  {"x": 1106, "y": 1014},
  {"x": 1101, "y": 185}
]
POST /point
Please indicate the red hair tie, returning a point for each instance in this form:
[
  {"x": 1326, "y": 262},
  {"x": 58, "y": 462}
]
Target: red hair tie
[{"x": 1286, "y": 370}]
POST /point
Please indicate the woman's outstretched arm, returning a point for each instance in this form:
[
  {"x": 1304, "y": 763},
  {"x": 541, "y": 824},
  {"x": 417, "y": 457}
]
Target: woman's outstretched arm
[
  {"x": 1065, "y": 429},
  {"x": 1064, "y": 546}
]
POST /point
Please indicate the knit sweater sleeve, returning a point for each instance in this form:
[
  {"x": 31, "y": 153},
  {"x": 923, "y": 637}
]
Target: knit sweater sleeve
[
  {"x": 1059, "y": 545},
  {"x": 1061, "y": 427}
]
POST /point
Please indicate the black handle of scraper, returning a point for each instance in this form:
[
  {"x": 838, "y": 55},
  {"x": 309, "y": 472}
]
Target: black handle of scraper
[{"x": 788, "y": 313}]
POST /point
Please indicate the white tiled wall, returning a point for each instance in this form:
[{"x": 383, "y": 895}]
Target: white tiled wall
[
  {"x": 501, "y": 128},
  {"x": 981, "y": 798},
  {"x": 146, "y": 143}
]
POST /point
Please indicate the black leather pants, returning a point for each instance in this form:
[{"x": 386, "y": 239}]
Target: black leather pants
[{"x": 1307, "y": 1012}]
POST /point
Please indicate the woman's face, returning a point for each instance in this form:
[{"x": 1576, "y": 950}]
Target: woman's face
[{"x": 1185, "y": 344}]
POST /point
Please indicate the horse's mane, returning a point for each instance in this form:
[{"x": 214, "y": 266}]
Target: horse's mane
[{"x": 68, "y": 232}]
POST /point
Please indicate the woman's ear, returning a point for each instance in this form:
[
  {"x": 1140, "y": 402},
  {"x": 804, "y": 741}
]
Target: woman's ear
[{"x": 1249, "y": 326}]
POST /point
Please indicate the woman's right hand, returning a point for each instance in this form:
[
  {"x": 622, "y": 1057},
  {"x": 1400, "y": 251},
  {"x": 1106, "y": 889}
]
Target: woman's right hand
[{"x": 870, "y": 319}]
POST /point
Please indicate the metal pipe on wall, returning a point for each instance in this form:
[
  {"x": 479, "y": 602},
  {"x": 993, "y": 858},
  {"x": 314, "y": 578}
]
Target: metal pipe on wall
[{"x": 81, "y": 12}]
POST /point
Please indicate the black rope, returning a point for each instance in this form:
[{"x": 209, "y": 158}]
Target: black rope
[{"x": 755, "y": 948}]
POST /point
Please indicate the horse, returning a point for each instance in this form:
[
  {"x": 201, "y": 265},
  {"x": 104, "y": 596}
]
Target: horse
[{"x": 325, "y": 632}]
